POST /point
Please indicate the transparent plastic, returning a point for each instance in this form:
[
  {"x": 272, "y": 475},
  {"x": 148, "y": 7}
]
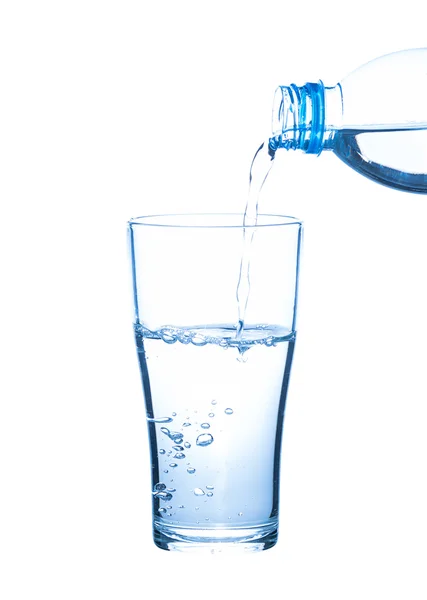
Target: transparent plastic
[{"x": 374, "y": 120}]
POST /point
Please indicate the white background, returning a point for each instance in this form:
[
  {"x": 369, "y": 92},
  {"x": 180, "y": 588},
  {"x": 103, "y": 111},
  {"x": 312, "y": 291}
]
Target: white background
[{"x": 117, "y": 108}]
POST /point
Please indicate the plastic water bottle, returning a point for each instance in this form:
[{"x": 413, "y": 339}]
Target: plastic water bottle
[{"x": 374, "y": 120}]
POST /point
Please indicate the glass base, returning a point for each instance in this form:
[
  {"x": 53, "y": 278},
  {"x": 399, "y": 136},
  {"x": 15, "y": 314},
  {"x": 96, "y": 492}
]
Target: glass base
[{"x": 213, "y": 540}]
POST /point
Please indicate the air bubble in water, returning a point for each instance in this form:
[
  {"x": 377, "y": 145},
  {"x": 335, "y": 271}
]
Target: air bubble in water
[
  {"x": 162, "y": 510},
  {"x": 213, "y": 402},
  {"x": 199, "y": 340},
  {"x": 209, "y": 494},
  {"x": 199, "y": 492},
  {"x": 185, "y": 337},
  {"x": 181, "y": 506},
  {"x": 186, "y": 424},
  {"x": 242, "y": 358},
  {"x": 204, "y": 439},
  {"x": 170, "y": 490},
  {"x": 173, "y": 465},
  {"x": 178, "y": 448},
  {"x": 228, "y": 411},
  {"x": 187, "y": 444},
  {"x": 175, "y": 436},
  {"x": 165, "y": 496},
  {"x": 191, "y": 470},
  {"x": 211, "y": 415},
  {"x": 159, "y": 487},
  {"x": 159, "y": 420},
  {"x": 240, "y": 514},
  {"x": 210, "y": 487},
  {"x": 161, "y": 451},
  {"x": 174, "y": 414},
  {"x": 179, "y": 455},
  {"x": 165, "y": 471},
  {"x": 168, "y": 336},
  {"x": 205, "y": 425}
]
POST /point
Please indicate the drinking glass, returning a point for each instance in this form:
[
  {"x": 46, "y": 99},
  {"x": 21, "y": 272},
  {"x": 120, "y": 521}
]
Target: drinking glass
[{"x": 215, "y": 391}]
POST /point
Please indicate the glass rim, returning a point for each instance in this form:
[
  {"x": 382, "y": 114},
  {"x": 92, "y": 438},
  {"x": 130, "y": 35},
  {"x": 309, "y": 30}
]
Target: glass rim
[{"x": 272, "y": 220}]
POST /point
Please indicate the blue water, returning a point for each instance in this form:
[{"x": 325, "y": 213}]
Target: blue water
[
  {"x": 394, "y": 157},
  {"x": 215, "y": 408}
]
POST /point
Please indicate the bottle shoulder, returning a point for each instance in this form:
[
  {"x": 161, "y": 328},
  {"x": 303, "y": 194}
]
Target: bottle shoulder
[{"x": 390, "y": 90}]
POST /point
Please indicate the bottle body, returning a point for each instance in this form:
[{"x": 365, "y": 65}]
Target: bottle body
[
  {"x": 374, "y": 120},
  {"x": 393, "y": 157}
]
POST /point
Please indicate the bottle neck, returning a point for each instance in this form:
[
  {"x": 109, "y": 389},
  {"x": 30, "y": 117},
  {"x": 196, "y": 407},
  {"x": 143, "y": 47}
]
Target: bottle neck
[{"x": 306, "y": 118}]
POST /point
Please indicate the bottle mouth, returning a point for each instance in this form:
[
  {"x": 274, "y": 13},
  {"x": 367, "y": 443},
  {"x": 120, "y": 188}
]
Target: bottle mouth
[
  {"x": 298, "y": 119},
  {"x": 284, "y": 120}
]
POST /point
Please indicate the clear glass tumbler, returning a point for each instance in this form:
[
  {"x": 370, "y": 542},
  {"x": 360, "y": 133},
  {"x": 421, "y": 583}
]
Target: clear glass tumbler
[{"x": 215, "y": 393}]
